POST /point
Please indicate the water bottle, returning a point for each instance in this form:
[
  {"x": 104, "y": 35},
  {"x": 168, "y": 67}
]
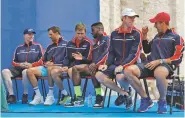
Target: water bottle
[{"x": 89, "y": 100}]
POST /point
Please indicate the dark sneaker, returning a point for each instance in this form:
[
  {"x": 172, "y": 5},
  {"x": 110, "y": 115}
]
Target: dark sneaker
[
  {"x": 11, "y": 99},
  {"x": 79, "y": 102},
  {"x": 128, "y": 102},
  {"x": 145, "y": 104},
  {"x": 64, "y": 99},
  {"x": 162, "y": 106},
  {"x": 120, "y": 100},
  {"x": 98, "y": 102},
  {"x": 24, "y": 98}
]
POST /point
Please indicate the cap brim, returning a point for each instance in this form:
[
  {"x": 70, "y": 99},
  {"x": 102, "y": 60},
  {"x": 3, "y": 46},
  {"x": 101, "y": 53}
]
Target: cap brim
[
  {"x": 152, "y": 20},
  {"x": 133, "y": 15},
  {"x": 31, "y": 32}
]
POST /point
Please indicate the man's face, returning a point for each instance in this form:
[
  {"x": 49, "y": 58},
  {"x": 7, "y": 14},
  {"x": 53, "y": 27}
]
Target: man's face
[
  {"x": 159, "y": 26},
  {"x": 80, "y": 34},
  {"x": 95, "y": 31},
  {"x": 128, "y": 20},
  {"x": 53, "y": 36},
  {"x": 28, "y": 37}
]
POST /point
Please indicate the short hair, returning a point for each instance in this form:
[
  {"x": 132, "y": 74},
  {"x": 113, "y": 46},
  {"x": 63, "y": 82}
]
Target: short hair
[
  {"x": 98, "y": 25},
  {"x": 80, "y": 26},
  {"x": 54, "y": 29}
]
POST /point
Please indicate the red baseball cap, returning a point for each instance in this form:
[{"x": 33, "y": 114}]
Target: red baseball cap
[{"x": 161, "y": 17}]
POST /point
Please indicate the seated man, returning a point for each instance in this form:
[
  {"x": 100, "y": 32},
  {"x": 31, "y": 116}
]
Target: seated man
[
  {"x": 165, "y": 49},
  {"x": 99, "y": 55},
  {"x": 78, "y": 53},
  {"x": 26, "y": 56},
  {"x": 125, "y": 46},
  {"x": 53, "y": 58}
]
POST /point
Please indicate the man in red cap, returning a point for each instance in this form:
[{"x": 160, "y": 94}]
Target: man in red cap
[{"x": 166, "y": 49}]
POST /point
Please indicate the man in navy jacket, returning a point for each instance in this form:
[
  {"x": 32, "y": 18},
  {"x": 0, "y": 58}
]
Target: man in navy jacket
[
  {"x": 26, "y": 56},
  {"x": 53, "y": 58}
]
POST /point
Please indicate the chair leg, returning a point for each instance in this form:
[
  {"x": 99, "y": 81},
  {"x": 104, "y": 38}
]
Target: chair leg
[
  {"x": 135, "y": 102},
  {"x": 171, "y": 104},
  {"x": 109, "y": 98},
  {"x": 84, "y": 88},
  {"x": 117, "y": 84},
  {"x": 16, "y": 90},
  {"x": 69, "y": 87},
  {"x": 146, "y": 87},
  {"x": 104, "y": 96},
  {"x": 59, "y": 95},
  {"x": 42, "y": 87}
]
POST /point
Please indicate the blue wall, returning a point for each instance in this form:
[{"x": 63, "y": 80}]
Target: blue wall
[{"x": 40, "y": 15}]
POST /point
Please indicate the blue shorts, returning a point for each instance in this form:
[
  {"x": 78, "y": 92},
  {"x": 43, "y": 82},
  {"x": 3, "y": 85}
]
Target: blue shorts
[{"x": 43, "y": 70}]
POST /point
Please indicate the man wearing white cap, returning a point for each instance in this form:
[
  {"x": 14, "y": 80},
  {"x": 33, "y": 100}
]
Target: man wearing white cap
[{"x": 125, "y": 45}]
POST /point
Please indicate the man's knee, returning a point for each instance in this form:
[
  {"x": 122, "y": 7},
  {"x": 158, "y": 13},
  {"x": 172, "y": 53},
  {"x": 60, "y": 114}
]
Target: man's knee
[
  {"x": 120, "y": 77},
  {"x": 54, "y": 73},
  {"x": 24, "y": 72},
  {"x": 161, "y": 72},
  {"x": 6, "y": 72},
  {"x": 100, "y": 77},
  {"x": 29, "y": 72}
]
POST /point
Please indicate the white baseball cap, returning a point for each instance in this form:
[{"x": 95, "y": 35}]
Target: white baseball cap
[{"x": 129, "y": 12}]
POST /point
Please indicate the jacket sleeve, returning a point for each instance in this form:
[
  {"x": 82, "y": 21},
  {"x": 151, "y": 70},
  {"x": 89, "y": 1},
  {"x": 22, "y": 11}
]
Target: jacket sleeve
[
  {"x": 111, "y": 53},
  {"x": 178, "y": 53},
  {"x": 15, "y": 59},
  {"x": 40, "y": 61},
  {"x": 134, "y": 52},
  {"x": 87, "y": 56},
  {"x": 146, "y": 46},
  {"x": 103, "y": 57}
]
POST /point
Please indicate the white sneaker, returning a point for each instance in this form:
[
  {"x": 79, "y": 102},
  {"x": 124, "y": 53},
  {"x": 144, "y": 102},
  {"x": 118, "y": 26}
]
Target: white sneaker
[
  {"x": 37, "y": 100},
  {"x": 49, "y": 100}
]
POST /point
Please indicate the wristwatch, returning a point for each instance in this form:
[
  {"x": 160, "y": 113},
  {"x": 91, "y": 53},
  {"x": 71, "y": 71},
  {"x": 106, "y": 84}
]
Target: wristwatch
[{"x": 161, "y": 61}]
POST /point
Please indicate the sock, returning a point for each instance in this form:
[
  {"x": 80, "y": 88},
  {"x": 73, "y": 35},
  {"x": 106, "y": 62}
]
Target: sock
[
  {"x": 78, "y": 90},
  {"x": 98, "y": 91},
  {"x": 64, "y": 92},
  {"x": 36, "y": 89},
  {"x": 25, "y": 81},
  {"x": 50, "y": 93}
]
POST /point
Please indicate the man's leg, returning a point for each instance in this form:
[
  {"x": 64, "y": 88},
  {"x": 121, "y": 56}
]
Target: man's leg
[
  {"x": 124, "y": 99},
  {"x": 161, "y": 73},
  {"x": 99, "y": 97},
  {"x": 50, "y": 96},
  {"x": 103, "y": 79},
  {"x": 56, "y": 75},
  {"x": 31, "y": 74},
  {"x": 74, "y": 73},
  {"x": 6, "y": 75},
  {"x": 132, "y": 73},
  {"x": 25, "y": 87}
]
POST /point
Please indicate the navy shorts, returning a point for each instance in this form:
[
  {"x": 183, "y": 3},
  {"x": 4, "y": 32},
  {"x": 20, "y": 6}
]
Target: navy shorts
[
  {"x": 145, "y": 72},
  {"x": 110, "y": 71}
]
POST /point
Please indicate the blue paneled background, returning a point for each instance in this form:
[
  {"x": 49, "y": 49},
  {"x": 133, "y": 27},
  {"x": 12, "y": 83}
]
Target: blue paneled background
[{"x": 40, "y": 15}]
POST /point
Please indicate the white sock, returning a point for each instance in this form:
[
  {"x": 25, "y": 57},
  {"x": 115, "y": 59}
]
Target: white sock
[
  {"x": 64, "y": 92},
  {"x": 8, "y": 81},
  {"x": 25, "y": 81},
  {"x": 36, "y": 89},
  {"x": 50, "y": 93}
]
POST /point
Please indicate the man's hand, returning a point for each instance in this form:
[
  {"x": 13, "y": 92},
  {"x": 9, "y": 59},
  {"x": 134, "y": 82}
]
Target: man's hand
[
  {"x": 118, "y": 69},
  {"x": 28, "y": 65},
  {"x": 22, "y": 65},
  {"x": 144, "y": 32},
  {"x": 77, "y": 56},
  {"x": 152, "y": 64},
  {"x": 102, "y": 67},
  {"x": 65, "y": 69},
  {"x": 92, "y": 68}
]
